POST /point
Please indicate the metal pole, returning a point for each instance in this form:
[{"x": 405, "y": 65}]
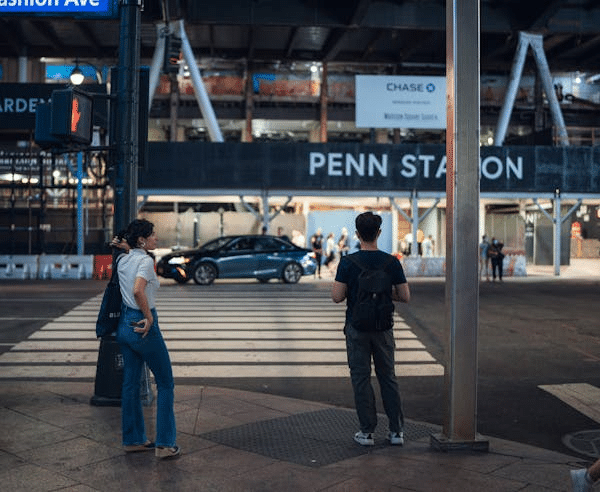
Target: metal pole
[
  {"x": 157, "y": 61},
  {"x": 537, "y": 45},
  {"x": 557, "y": 222},
  {"x": 79, "y": 203},
  {"x": 511, "y": 92},
  {"x": 414, "y": 202},
  {"x": 201, "y": 95},
  {"x": 126, "y": 132},
  {"x": 462, "y": 194}
]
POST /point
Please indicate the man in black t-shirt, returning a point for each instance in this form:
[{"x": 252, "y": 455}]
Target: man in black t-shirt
[{"x": 362, "y": 346}]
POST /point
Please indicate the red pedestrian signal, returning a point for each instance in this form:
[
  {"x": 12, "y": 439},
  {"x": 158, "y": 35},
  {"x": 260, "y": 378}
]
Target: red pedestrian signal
[{"x": 72, "y": 116}]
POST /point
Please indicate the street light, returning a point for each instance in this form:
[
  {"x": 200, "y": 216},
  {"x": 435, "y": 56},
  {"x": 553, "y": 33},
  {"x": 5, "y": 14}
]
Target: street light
[{"x": 77, "y": 77}]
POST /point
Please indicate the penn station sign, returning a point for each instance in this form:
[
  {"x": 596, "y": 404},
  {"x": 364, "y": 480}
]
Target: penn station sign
[
  {"x": 429, "y": 165},
  {"x": 369, "y": 168},
  {"x": 63, "y": 8}
]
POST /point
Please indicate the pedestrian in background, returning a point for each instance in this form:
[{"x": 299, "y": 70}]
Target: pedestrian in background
[
  {"x": 428, "y": 246},
  {"x": 343, "y": 244},
  {"x": 362, "y": 346},
  {"x": 497, "y": 257},
  {"x": 484, "y": 260},
  {"x": 316, "y": 243},
  {"x": 330, "y": 251},
  {"x": 141, "y": 341}
]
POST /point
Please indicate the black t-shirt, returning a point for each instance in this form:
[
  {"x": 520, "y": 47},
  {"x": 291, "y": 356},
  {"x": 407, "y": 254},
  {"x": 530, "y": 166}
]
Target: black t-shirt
[
  {"x": 317, "y": 241},
  {"x": 347, "y": 273}
]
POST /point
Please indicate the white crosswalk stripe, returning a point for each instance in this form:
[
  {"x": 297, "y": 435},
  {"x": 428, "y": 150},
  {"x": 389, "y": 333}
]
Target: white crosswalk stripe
[{"x": 224, "y": 331}]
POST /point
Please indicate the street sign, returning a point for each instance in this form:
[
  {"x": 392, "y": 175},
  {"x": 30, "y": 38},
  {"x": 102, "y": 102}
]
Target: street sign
[{"x": 80, "y": 9}]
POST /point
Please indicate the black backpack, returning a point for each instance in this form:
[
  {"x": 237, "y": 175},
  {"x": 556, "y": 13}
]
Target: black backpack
[{"x": 373, "y": 307}]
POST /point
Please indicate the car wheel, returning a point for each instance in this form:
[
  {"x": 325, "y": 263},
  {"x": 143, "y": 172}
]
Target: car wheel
[
  {"x": 205, "y": 274},
  {"x": 291, "y": 273}
]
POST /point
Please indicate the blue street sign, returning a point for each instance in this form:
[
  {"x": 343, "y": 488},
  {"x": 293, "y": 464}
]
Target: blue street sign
[{"x": 61, "y": 8}]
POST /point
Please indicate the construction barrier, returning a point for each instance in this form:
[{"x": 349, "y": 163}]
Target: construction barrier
[
  {"x": 99, "y": 267},
  {"x": 22, "y": 267},
  {"x": 66, "y": 266},
  {"x": 419, "y": 266},
  {"x": 102, "y": 267}
]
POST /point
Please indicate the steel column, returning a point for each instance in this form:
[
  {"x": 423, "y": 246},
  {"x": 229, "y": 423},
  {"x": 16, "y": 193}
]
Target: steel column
[
  {"x": 208, "y": 112},
  {"x": 462, "y": 194}
]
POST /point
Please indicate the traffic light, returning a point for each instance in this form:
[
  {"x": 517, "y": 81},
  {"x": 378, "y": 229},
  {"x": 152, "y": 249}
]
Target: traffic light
[
  {"x": 72, "y": 116},
  {"x": 43, "y": 121},
  {"x": 65, "y": 120},
  {"x": 172, "y": 54}
]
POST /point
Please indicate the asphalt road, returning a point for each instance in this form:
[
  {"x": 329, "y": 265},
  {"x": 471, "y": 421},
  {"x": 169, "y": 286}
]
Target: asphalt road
[{"x": 532, "y": 332}]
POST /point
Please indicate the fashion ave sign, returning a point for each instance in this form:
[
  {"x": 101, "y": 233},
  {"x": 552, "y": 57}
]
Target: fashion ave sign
[{"x": 67, "y": 8}]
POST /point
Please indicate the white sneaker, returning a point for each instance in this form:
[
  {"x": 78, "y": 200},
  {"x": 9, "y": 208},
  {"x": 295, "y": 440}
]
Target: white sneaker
[
  {"x": 396, "y": 438},
  {"x": 364, "y": 439},
  {"x": 580, "y": 480}
]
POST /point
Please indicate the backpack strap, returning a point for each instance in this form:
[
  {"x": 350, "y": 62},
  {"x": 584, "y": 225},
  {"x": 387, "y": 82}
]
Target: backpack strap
[{"x": 354, "y": 259}]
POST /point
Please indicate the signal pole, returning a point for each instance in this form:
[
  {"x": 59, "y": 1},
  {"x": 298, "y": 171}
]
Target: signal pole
[{"x": 127, "y": 115}]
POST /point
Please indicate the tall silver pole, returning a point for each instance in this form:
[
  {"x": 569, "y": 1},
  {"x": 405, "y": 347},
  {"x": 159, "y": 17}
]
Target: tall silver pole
[
  {"x": 462, "y": 217},
  {"x": 557, "y": 223}
]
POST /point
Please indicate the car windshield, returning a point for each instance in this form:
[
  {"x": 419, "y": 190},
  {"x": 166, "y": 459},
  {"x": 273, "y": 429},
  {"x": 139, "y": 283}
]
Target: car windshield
[{"x": 215, "y": 244}]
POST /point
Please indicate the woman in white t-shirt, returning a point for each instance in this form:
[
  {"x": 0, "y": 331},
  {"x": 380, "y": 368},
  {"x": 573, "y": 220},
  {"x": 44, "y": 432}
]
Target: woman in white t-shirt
[{"x": 141, "y": 341}]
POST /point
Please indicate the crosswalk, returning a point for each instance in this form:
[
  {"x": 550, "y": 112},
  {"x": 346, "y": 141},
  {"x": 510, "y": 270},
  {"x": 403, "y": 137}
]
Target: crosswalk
[{"x": 227, "y": 330}]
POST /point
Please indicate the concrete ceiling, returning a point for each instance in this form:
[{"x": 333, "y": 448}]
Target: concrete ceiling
[{"x": 390, "y": 36}]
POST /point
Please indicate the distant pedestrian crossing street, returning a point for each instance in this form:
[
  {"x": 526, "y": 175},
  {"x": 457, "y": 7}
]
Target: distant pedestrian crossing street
[{"x": 226, "y": 330}]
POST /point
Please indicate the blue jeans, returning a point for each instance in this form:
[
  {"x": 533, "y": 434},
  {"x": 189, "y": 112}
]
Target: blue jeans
[
  {"x": 380, "y": 345},
  {"x": 152, "y": 350}
]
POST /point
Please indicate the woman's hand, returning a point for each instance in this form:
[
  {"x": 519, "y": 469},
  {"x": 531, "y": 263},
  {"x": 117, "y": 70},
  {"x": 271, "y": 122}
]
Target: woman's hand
[
  {"x": 120, "y": 243},
  {"x": 143, "y": 326}
]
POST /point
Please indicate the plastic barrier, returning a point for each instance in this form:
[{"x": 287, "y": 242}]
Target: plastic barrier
[
  {"x": 512, "y": 266},
  {"x": 22, "y": 267},
  {"x": 66, "y": 266},
  {"x": 424, "y": 267}
]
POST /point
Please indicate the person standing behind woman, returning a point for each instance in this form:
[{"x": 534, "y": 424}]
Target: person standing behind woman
[{"x": 141, "y": 341}]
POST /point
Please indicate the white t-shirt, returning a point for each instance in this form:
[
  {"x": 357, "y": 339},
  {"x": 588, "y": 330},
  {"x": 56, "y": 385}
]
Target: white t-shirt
[{"x": 137, "y": 263}]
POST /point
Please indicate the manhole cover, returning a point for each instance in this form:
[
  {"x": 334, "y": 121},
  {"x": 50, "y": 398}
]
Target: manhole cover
[{"x": 585, "y": 442}]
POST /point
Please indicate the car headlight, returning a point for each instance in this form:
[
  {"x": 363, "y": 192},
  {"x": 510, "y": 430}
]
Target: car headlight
[{"x": 178, "y": 260}]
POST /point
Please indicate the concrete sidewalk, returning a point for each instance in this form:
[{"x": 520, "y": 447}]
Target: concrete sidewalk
[{"x": 51, "y": 438}]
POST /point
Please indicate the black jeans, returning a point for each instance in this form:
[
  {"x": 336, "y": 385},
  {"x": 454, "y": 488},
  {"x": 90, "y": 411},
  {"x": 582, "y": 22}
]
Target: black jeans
[
  {"x": 497, "y": 264},
  {"x": 361, "y": 346}
]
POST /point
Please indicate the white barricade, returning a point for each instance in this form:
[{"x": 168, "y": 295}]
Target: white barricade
[
  {"x": 418, "y": 266},
  {"x": 22, "y": 267},
  {"x": 66, "y": 266}
]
